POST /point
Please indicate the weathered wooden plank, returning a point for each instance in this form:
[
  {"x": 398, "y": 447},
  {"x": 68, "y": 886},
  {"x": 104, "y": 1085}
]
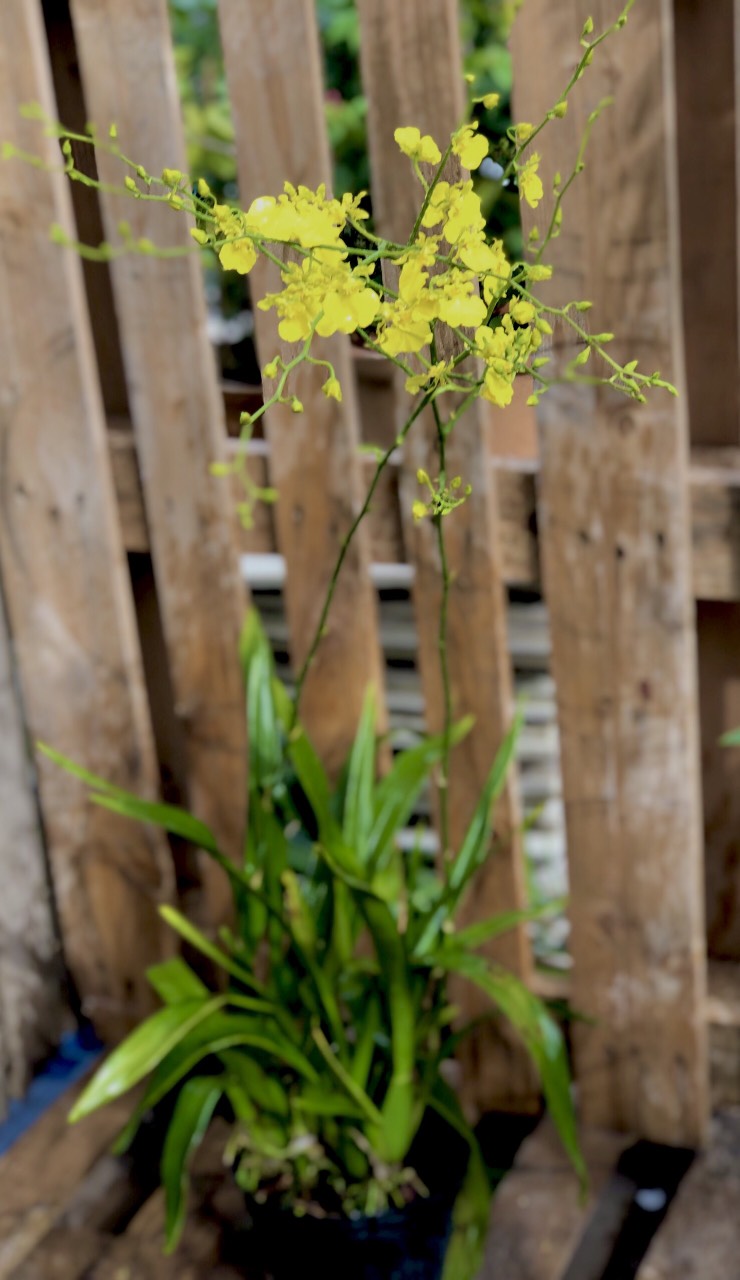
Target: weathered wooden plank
[
  {"x": 723, "y": 1015},
  {"x": 715, "y": 518},
  {"x": 706, "y": 98},
  {"x": 699, "y": 1239},
  {"x": 411, "y": 68},
  {"x": 31, "y": 976},
  {"x": 39, "y": 1176},
  {"x": 129, "y": 79},
  {"x": 706, "y": 134},
  {"x": 614, "y": 528},
  {"x": 71, "y": 109},
  {"x": 539, "y": 1216},
  {"x": 272, "y": 55},
  {"x": 64, "y": 572},
  {"x": 213, "y": 1245},
  {"x": 515, "y": 488},
  {"x": 513, "y": 432}
]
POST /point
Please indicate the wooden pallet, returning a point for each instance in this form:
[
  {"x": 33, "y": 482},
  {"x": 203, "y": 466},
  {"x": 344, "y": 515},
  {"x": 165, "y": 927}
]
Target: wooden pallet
[{"x": 69, "y": 1210}]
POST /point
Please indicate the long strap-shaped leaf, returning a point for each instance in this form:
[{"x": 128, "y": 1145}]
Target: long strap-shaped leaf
[
  {"x": 472, "y": 1206},
  {"x": 540, "y": 1033},
  {"x": 219, "y": 1034},
  {"x": 194, "y": 1109},
  {"x": 142, "y": 1051},
  {"x": 168, "y": 816}
]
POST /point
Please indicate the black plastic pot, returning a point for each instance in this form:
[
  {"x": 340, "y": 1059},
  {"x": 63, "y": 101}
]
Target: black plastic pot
[
  {"x": 407, "y": 1244},
  {"x": 403, "y": 1244}
]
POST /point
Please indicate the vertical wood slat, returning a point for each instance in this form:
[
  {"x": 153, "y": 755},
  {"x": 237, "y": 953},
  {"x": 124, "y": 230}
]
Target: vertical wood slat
[
  {"x": 614, "y": 525},
  {"x": 273, "y": 65},
  {"x": 706, "y": 69},
  {"x": 707, "y": 142},
  {"x": 706, "y": 127},
  {"x": 128, "y": 76},
  {"x": 412, "y": 74},
  {"x": 64, "y": 569},
  {"x": 31, "y": 1000}
]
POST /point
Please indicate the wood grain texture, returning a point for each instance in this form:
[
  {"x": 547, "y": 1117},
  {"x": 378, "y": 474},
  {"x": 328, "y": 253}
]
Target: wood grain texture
[
  {"x": 715, "y": 516},
  {"x": 614, "y": 524},
  {"x": 715, "y": 524},
  {"x": 515, "y": 486},
  {"x": 706, "y": 99},
  {"x": 128, "y": 74},
  {"x": 705, "y": 115},
  {"x": 273, "y": 65},
  {"x": 31, "y": 994},
  {"x": 539, "y": 1216},
  {"x": 412, "y": 75},
  {"x": 88, "y": 1215},
  {"x": 723, "y": 1013},
  {"x": 40, "y": 1174},
  {"x": 64, "y": 571}
]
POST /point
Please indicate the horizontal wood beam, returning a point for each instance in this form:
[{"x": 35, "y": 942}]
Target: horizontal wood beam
[
  {"x": 722, "y": 1010},
  {"x": 715, "y": 506}
]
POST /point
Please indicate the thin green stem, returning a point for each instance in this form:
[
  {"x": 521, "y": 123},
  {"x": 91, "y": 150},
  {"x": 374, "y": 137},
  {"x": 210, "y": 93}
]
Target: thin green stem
[
  {"x": 344, "y": 549},
  {"x": 429, "y": 192},
  {"x": 583, "y": 62},
  {"x": 444, "y": 664}
]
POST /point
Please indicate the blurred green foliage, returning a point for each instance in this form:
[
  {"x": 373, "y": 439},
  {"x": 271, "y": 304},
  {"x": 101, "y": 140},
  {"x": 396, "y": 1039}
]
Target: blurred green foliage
[{"x": 484, "y": 27}]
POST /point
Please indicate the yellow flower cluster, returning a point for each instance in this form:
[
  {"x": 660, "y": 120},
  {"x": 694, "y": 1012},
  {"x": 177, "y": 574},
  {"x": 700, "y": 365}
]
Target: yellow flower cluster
[
  {"x": 298, "y": 216},
  {"x": 450, "y": 272},
  {"x": 440, "y": 272},
  {"x": 506, "y": 350},
  {"x": 324, "y": 292}
]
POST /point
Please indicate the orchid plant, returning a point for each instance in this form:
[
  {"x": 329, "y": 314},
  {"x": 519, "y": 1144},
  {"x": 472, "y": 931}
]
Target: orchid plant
[{"x": 460, "y": 321}]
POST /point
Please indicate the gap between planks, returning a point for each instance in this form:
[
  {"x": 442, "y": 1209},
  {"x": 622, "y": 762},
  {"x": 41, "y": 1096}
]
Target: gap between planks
[
  {"x": 715, "y": 508},
  {"x": 701, "y": 1235}
]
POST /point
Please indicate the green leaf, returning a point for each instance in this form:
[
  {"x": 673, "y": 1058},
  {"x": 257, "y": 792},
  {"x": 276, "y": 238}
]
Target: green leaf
[
  {"x": 399, "y": 1104},
  {"x": 141, "y": 1052},
  {"x": 475, "y": 844},
  {"x": 541, "y": 1035},
  {"x": 470, "y": 1214},
  {"x": 167, "y": 816},
  {"x": 358, "y": 800},
  {"x": 299, "y": 917},
  {"x": 353, "y": 1090},
  {"x": 366, "y": 1033},
  {"x": 216, "y": 1036},
  {"x": 396, "y": 795},
  {"x": 318, "y": 1102},
  {"x": 170, "y": 817},
  {"x": 731, "y": 739},
  {"x": 283, "y": 704},
  {"x": 261, "y": 1086},
  {"x": 265, "y": 735},
  {"x": 77, "y": 771},
  {"x": 174, "y": 982},
  {"x": 476, "y": 934},
  {"x": 192, "y": 1115},
  {"x": 177, "y": 921},
  {"x": 312, "y": 777},
  {"x": 243, "y": 1107},
  {"x": 252, "y": 637}
]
